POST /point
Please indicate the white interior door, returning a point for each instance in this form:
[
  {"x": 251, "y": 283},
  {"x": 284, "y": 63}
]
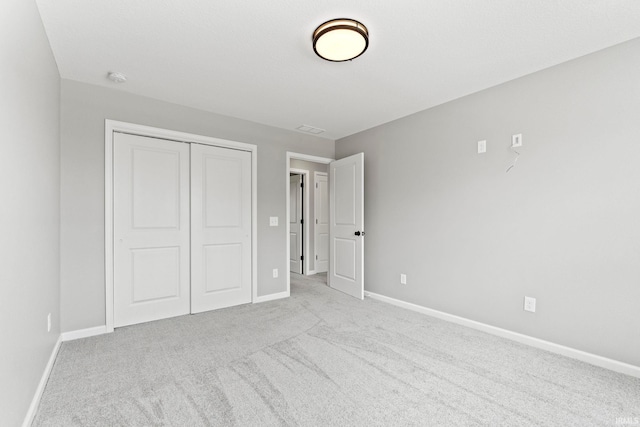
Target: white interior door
[
  {"x": 151, "y": 229},
  {"x": 221, "y": 227},
  {"x": 295, "y": 224},
  {"x": 346, "y": 225},
  {"x": 321, "y": 207}
]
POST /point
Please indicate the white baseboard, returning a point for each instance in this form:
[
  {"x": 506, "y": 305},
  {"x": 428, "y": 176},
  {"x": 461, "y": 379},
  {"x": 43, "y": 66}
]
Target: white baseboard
[
  {"x": 271, "y": 297},
  {"x": 310, "y": 273},
  {"x": 573, "y": 353},
  {"x": 31, "y": 413},
  {"x": 84, "y": 333}
]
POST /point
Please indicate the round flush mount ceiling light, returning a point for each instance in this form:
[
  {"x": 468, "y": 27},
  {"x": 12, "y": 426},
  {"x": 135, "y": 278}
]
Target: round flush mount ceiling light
[
  {"x": 340, "y": 40},
  {"x": 117, "y": 77}
]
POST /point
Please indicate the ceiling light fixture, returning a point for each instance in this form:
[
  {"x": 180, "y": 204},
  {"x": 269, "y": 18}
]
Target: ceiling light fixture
[{"x": 340, "y": 40}]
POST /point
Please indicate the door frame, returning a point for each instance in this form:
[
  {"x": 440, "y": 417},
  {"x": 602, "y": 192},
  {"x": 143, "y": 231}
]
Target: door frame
[
  {"x": 111, "y": 126},
  {"x": 309, "y": 158},
  {"x": 305, "y": 217}
]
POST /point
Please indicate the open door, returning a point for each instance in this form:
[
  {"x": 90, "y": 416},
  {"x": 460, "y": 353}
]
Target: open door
[
  {"x": 346, "y": 225},
  {"x": 295, "y": 224}
]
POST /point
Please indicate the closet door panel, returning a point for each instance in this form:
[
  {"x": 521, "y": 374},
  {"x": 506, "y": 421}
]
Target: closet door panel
[
  {"x": 220, "y": 227},
  {"x": 151, "y": 229}
]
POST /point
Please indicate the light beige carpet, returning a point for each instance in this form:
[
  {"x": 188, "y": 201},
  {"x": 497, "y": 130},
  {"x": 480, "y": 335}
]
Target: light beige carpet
[{"x": 321, "y": 358}]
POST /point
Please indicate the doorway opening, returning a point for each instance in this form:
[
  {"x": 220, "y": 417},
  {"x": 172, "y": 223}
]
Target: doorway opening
[
  {"x": 344, "y": 181},
  {"x": 307, "y": 218}
]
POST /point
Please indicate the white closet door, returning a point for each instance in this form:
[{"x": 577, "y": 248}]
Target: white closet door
[
  {"x": 221, "y": 227},
  {"x": 151, "y": 229},
  {"x": 295, "y": 224}
]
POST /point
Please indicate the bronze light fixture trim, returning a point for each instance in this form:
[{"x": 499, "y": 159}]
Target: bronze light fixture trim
[{"x": 340, "y": 40}]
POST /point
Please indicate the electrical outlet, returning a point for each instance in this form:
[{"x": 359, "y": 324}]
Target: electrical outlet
[
  {"x": 482, "y": 146},
  {"x": 273, "y": 221},
  {"x": 530, "y": 304},
  {"x": 275, "y": 273},
  {"x": 49, "y": 322},
  {"x": 516, "y": 140},
  {"x": 403, "y": 279}
]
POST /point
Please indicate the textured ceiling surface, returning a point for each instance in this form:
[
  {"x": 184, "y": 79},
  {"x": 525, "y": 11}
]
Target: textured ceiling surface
[{"x": 253, "y": 59}]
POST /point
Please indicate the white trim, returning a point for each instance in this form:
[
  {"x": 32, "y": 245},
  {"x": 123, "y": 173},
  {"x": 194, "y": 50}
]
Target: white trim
[
  {"x": 271, "y": 297},
  {"x": 35, "y": 402},
  {"x": 254, "y": 222},
  {"x": 305, "y": 216},
  {"x": 112, "y": 126},
  {"x": 84, "y": 333},
  {"x": 309, "y": 158},
  {"x": 291, "y": 155},
  {"x": 109, "y": 128},
  {"x": 316, "y": 174},
  {"x": 593, "y": 359}
]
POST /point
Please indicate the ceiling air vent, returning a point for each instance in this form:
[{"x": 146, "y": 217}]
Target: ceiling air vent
[{"x": 309, "y": 129}]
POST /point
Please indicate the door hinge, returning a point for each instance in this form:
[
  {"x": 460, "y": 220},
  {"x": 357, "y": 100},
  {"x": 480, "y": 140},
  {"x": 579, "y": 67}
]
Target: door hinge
[
  {"x": 316, "y": 220},
  {"x": 316, "y": 185},
  {"x": 301, "y": 257},
  {"x": 302, "y": 185},
  {"x": 302, "y": 221},
  {"x": 316, "y": 256}
]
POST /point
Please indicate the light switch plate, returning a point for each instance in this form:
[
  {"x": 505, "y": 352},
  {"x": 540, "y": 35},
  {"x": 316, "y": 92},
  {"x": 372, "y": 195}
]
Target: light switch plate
[
  {"x": 273, "y": 221},
  {"x": 482, "y": 146}
]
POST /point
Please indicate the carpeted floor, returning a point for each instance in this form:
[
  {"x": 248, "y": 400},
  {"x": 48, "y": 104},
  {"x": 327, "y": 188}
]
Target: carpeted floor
[{"x": 321, "y": 358}]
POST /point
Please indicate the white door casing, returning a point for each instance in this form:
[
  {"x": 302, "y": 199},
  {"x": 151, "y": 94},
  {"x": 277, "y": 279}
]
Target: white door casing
[
  {"x": 346, "y": 225},
  {"x": 295, "y": 224},
  {"x": 151, "y": 229},
  {"x": 321, "y": 219},
  {"x": 220, "y": 227}
]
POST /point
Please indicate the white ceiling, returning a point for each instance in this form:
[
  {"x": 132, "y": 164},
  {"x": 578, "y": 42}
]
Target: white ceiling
[{"x": 253, "y": 59}]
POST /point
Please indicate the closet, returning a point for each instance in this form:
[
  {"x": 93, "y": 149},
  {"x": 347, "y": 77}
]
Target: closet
[{"x": 182, "y": 228}]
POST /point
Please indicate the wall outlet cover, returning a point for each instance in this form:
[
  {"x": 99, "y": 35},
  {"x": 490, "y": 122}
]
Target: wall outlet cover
[{"x": 530, "y": 304}]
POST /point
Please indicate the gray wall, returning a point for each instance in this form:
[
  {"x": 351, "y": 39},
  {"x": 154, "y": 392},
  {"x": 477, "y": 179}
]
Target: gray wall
[
  {"x": 563, "y": 226},
  {"x": 29, "y": 211},
  {"x": 84, "y": 109},
  {"x": 311, "y": 167}
]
